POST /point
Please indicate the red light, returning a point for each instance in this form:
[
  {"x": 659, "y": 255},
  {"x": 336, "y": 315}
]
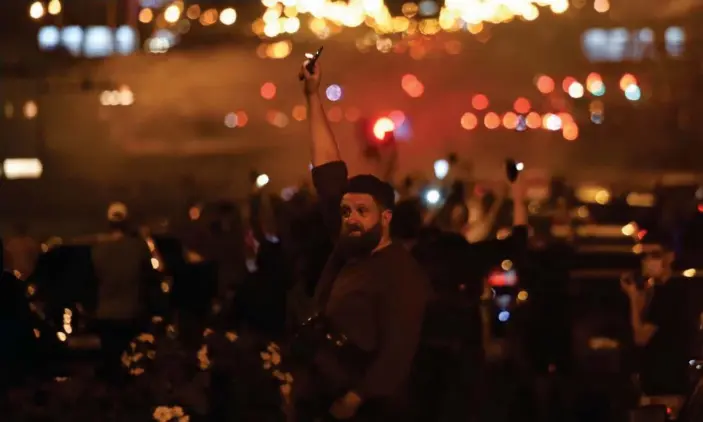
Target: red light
[
  {"x": 567, "y": 83},
  {"x": 382, "y": 127},
  {"x": 412, "y": 86},
  {"x": 700, "y": 207},
  {"x": 268, "y": 90},
  {"x": 522, "y": 105},
  {"x": 479, "y": 102},
  {"x": 501, "y": 279}
]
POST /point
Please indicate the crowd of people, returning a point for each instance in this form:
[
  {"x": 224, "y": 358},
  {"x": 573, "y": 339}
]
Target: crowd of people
[{"x": 384, "y": 307}]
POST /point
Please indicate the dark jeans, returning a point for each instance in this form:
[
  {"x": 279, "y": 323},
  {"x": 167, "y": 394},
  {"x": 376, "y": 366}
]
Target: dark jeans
[{"x": 115, "y": 336}]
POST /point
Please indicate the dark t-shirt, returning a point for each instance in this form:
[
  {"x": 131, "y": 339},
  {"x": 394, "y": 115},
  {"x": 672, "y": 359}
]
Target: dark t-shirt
[
  {"x": 378, "y": 302},
  {"x": 665, "y": 358}
]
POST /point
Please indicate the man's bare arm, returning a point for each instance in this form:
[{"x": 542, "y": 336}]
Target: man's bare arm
[{"x": 324, "y": 147}]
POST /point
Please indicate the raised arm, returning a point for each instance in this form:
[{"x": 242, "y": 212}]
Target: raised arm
[
  {"x": 490, "y": 252},
  {"x": 324, "y": 147},
  {"x": 329, "y": 173}
]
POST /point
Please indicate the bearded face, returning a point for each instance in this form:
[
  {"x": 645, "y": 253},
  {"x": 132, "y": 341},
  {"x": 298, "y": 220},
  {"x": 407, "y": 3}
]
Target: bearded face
[{"x": 363, "y": 224}]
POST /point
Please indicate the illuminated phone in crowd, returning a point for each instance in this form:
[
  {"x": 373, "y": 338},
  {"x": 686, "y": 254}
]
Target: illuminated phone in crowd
[{"x": 512, "y": 169}]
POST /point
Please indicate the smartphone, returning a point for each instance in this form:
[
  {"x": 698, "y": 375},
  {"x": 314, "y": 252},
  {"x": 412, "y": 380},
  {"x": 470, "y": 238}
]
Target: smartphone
[
  {"x": 312, "y": 59},
  {"x": 511, "y": 170}
]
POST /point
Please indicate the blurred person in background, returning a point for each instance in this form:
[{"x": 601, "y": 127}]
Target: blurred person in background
[
  {"x": 260, "y": 302},
  {"x": 451, "y": 355},
  {"x": 371, "y": 293},
  {"x": 22, "y": 251},
  {"x": 663, "y": 324},
  {"x": 122, "y": 264}
]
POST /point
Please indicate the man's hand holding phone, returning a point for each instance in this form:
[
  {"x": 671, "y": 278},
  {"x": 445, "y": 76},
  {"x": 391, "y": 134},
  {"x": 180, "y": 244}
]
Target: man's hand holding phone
[{"x": 310, "y": 73}]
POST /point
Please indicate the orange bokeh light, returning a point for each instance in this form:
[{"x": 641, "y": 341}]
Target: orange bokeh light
[
  {"x": 491, "y": 120},
  {"x": 570, "y": 131},
  {"x": 469, "y": 121},
  {"x": 335, "y": 114},
  {"x": 300, "y": 113},
  {"x": 510, "y": 120},
  {"x": 242, "y": 118},
  {"x": 522, "y": 105},
  {"x": 268, "y": 90},
  {"x": 533, "y": 120},
  {"x": 545, "y": 84},
  {"x": 352, "y": 114},
  {"x": 479, "y": 102},
  {"x": 627, "y": 80},
  {"x": 412, "y": 86}
]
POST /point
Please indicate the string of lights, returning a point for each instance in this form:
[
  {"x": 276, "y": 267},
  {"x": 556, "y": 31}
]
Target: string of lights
[
  {"x": 281, "y": 19},
  {"x": 324, "y": 18}
]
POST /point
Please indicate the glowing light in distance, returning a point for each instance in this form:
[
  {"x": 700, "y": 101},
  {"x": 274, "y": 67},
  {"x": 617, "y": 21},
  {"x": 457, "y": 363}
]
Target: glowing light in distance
[
  {"x": 633, "y": 93},
  {"x": 382, "y": 127},
  {"x": 575, "y": 90},
  {"x": 545, "y": 84},
  {"x": 36, "y": 10},
  {"x": 627, "y": 80},
  {"x": 551, "y": 122},
  {"x": 479, "y": 102},
  {"x": 433, "y": 196},
  {"x": 441, "y": 169},
  {"x": 172, "y": 14},
  {"x": 268, "y": 90},
  {"x": 469, "y": 121},
  {"x": 333, "y": 92},
  {"x": 228, "y": 16},
  {"x": 262, "y": 180}
]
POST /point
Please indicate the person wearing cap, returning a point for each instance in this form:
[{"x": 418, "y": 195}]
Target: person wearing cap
[
  {"x": 122, "y": 264},
  {"x": 371, "y": 289}
]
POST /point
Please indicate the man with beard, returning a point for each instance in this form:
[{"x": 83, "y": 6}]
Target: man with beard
[{"x": 371, "y": 293}]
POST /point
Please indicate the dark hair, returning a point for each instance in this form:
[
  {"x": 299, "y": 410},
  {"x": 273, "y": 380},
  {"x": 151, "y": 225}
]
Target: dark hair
[{"x": 382, "y": 192}]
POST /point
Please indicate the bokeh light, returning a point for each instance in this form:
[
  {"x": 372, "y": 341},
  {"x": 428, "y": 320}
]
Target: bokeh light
[
  {"x": 533, "y": 120},
  {"x": 300, "y": 113},
  {"x": 544, "y": 84},
  {"x": 334, "y": 92},
  {"x": 398, "y": 117},
  {"x": 627, "y": 80},
  {"x": 570, "y": 131},
  {"x": 479, "y": 102},
  {"x": 335, "y": 114},
  {"x": 412, "y": 86},
  {"x": 469, "y": 121},
  {"x": 352, "y": 114},
  {"x": 382, "y": 127},
  {"x": 567, "y": 82},
  {"x": 268, "y": 90},
  {"x": 575, "y": 90},
  {"x": 522, "y": 105},
  {"x": 510, "y": 120},
  {"x": 633, "y": 93},
  {"x": 551, "y": 122},
  {"x": 491, "y": 120}
]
